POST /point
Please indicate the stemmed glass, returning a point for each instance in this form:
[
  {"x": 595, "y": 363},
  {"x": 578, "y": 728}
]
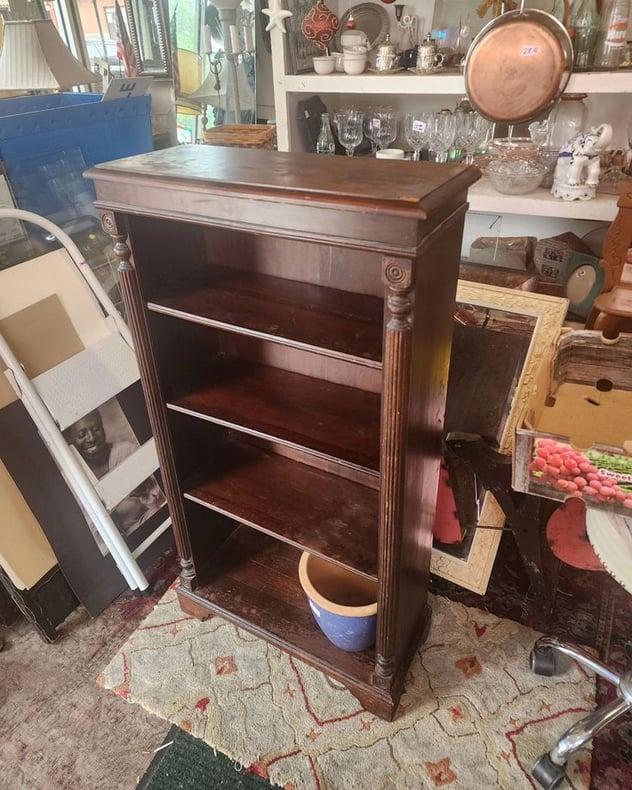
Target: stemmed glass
[
  {"x": 384, "y": 127},
  {"x": 417, "y": 131},
  {"x": 349, "y": 124},
  {"x": 471, "y": 132},
  {"x": 368, "y": 129},
  {"x": 442, "y": 131}
]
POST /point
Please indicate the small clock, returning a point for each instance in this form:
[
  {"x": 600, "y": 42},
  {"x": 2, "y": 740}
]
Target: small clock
[{"x": 583, "y": 283}]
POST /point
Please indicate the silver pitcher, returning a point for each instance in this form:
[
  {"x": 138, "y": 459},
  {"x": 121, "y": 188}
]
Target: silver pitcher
[{"x": 429, "y": 59}]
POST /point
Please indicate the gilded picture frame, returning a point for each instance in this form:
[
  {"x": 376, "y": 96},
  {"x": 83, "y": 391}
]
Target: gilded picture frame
[{"x": 545, "y": 315}]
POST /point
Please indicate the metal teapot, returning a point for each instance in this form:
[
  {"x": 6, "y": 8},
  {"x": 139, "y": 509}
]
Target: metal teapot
[{"x": 429, "y": 59}]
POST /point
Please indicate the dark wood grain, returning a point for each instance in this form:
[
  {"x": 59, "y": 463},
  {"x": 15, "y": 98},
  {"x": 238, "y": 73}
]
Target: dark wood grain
[
  {"x": 342, "y": 323},
  {"x": 306, "y": 507},
  {"x": 407, "y": 186},
  {"x": 389, "y": 207},
  {"x": 254, "y": 584},
  {"x": 342, "y": 423},
  {"x": 274, "y": 377}
]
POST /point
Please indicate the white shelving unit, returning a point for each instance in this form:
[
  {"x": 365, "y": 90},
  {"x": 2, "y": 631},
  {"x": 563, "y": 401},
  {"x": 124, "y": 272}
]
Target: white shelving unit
[
  {"x": 612, "y": 89},
  {"x": 407, "y": 83},
  {"x": 485, "y": 199}
]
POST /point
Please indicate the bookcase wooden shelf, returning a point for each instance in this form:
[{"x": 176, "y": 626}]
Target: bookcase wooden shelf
[{"x": 292, "y": 317}]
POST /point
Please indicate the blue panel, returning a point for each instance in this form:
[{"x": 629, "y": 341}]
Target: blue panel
[{"x": 103, "y": 131}]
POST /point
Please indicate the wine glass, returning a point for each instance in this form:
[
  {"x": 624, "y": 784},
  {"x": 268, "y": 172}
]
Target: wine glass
[
  {"x": 349, "y": 124},
  {"x": 442, "y": 131},
  {"x": 417, "y": 131},
  {"x": 384, "y": 122},
  {"x": 368, "y": 128},
  {"x": 471, "y": 132}
]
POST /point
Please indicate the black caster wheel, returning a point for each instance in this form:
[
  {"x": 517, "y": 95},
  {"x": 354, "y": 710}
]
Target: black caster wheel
[
  {"x": 543, "y": 661},
  {"x": 547, "y": 773}
]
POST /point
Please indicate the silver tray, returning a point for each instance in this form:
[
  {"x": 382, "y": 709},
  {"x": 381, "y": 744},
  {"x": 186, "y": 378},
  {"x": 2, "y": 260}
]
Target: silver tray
[
  {"x": 371, "y": 18},
  {"x": 396, "y": 70}
]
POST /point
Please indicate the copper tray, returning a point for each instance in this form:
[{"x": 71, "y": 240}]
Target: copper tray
[{"x": 518, "y": 65}]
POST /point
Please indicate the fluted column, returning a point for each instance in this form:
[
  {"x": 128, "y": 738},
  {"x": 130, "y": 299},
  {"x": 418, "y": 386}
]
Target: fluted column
[{"x": 137, "y": 320}]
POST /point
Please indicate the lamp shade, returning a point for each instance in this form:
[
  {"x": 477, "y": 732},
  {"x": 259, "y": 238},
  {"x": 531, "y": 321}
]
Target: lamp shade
[
  {"x": 34, "y": 57},
  {"x": 207, "y": 92}
]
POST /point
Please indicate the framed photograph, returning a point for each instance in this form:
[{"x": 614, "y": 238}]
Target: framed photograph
[
  {"x": 503, "y": 344},
  {"x": 300, "y": 49},
  {"x": 122, "y": 469}
]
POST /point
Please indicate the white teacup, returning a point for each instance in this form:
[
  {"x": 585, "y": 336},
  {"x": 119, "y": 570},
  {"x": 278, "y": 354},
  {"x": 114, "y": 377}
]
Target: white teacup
[
  {"x": 390, "y": 153},
  {"x": 354, "y": 38},
  {"x": 324, "y": 64}
]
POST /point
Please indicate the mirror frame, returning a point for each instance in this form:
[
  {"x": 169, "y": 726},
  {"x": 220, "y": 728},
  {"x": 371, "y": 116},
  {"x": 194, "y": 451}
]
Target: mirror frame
[
  {"x": 474, "y": 571},
  {"x": 162, "y": 31}
]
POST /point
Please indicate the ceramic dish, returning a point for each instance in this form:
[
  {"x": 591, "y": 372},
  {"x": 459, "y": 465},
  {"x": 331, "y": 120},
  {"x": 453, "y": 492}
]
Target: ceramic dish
[{"x": 369, "y": 17}]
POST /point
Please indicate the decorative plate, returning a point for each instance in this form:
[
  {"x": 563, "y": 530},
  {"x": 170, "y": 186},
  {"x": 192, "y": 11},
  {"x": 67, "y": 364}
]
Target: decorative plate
[{"x": 370, "y": 18}]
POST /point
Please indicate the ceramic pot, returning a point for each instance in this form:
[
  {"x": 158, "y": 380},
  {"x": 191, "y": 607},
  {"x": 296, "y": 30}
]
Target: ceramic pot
[{"x": 344, "y": 604}]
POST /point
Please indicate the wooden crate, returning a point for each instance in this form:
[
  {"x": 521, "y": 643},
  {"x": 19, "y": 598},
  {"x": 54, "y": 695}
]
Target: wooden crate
[{"x": 242, "y": 135}]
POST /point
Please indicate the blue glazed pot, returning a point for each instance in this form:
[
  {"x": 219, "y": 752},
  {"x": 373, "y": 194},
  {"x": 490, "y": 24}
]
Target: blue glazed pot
[{"x": 344, "y": 604}]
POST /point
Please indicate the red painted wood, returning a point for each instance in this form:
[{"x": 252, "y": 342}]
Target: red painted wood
[{"x": 566, "y": 535}]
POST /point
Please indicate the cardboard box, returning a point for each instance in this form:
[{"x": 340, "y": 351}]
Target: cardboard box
[{"x": 577, "y": 438}]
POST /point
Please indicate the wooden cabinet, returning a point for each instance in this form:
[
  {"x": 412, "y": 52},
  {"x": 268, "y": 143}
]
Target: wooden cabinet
[{"x": 292, "y": 315}]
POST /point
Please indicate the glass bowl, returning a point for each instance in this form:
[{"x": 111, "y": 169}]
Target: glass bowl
[
  {"x": 514, "y": 148},
  {"x": 516, "y": 176}
]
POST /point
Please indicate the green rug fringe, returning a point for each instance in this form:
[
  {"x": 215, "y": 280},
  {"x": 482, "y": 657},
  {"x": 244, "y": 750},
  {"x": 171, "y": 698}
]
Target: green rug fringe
[{"x": 190, "y": 764}]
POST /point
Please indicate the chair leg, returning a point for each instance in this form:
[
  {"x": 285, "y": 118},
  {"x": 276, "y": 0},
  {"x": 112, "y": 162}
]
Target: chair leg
[
  {"x": 549, "y": 770},
  {"x": 609, "y": 325},
  {"x": 546, "y": 644}
]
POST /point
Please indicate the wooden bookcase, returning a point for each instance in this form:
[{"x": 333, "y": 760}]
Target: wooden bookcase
[{"x": 292, "y": 316}]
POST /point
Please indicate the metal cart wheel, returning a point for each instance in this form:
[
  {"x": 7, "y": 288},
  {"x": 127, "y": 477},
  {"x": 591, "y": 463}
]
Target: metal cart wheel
[
  {"x": 547, "y": 773},
  {"x": 543, "y": 661}
]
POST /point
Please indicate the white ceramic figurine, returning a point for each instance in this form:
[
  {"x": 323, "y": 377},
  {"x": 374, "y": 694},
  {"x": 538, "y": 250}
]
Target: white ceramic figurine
[{"x": 577, "y": 169}]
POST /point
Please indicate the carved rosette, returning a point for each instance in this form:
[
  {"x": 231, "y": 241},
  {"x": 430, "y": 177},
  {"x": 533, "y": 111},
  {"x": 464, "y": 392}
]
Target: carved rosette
[
  {"x": 119, "y": 237},
  {"x": 319, "y": 25},
  {"x": 396, "y": 366}
]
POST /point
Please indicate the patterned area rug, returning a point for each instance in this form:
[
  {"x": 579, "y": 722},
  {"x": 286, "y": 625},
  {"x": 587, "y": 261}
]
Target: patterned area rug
[{"x": 473, "y": 715}]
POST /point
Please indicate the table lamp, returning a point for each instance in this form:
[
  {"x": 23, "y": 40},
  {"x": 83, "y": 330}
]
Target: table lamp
[{"x": 34, "y": 58}]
